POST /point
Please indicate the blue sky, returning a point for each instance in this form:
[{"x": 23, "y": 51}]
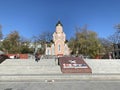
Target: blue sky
[{"x": 32, "y": 17}]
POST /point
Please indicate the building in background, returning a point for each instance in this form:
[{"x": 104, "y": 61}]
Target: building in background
[
  {"x": 59, "y": 45},
  {"x": 116, "y": 51}
]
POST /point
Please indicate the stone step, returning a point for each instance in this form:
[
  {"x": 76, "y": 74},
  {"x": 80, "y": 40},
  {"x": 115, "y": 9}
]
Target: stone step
[
  {"x": 14, "y": 62},
  {"x": 55, "y": 77},
  {"x": 29, "y": 69},
  {"x": 30, "y": 72},
  {"x": 28, "y": 62}
]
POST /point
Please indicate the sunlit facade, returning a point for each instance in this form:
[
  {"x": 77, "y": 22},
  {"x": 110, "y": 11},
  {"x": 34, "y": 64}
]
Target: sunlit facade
[{"x": 59, "y": 46}]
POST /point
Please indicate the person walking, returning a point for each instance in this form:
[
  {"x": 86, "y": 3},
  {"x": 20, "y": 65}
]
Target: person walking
[{"x": 36, "y": 57}]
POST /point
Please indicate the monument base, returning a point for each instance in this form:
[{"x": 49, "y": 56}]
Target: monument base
[{"x": 73, "y": 65}]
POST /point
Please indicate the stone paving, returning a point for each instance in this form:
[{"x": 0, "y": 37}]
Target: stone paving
[{"x": 61, "y": 85}]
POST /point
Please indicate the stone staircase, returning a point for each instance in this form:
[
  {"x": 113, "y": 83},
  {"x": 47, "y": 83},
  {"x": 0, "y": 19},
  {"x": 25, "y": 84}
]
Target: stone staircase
[
  {"x": 29, "y": 66},
  {"x": 47, "y": 69}
]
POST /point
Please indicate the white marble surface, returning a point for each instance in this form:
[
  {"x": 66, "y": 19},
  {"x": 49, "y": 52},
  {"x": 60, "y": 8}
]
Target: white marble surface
[
  {"x": 29, "y": 66},
  {"x": 105, "y": 66}
]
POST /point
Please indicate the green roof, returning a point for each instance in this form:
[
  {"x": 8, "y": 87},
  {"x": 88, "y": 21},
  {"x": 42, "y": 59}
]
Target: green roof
[{"x": 59, "y": 23}]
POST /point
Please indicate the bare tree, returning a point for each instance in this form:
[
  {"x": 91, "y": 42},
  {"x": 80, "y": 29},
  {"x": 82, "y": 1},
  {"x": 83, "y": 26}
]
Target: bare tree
[
  {"x": 117, "y": 27},
  {"x": 115, "y": 38},
  {"x": 43, "y": 38}
]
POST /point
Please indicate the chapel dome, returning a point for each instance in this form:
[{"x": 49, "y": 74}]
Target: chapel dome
[
  {"x": 59, "y": 28},
  {"x": 59, "y": 23}
]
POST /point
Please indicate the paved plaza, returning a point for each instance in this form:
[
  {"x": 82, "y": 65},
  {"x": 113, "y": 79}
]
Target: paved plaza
[
  {"x": 27, "y": 74},
  {"x": 61, "y": 85}
]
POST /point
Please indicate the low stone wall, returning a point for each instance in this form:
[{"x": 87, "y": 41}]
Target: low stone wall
[
  {"x": 104, "y": 66},
  {"x": 19, "y": 56}
]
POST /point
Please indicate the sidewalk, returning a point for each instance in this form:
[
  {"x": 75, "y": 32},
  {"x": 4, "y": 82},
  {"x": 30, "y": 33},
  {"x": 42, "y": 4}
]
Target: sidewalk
[{"x": 39, "y": 77}]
